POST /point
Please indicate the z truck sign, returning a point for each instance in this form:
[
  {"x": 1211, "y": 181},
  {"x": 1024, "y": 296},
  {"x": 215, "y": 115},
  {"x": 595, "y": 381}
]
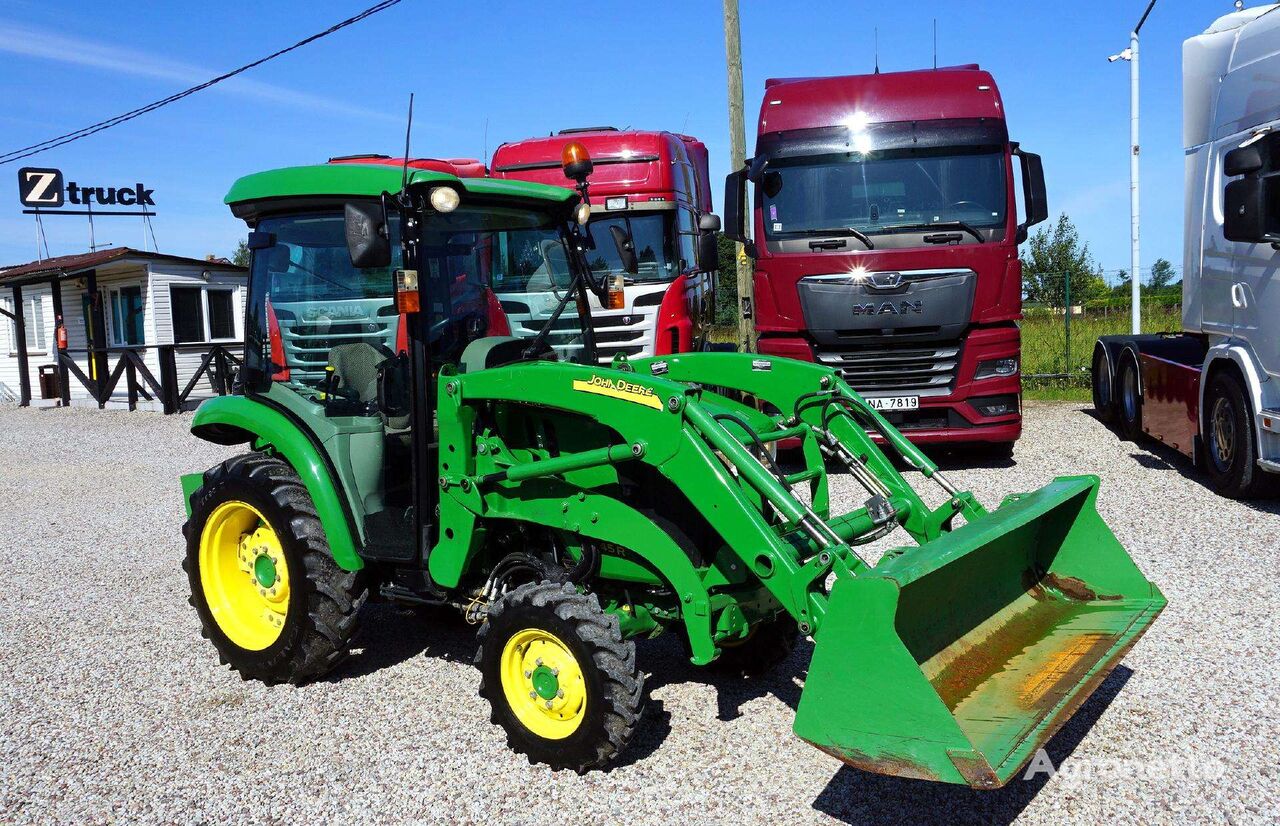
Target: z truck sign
[{"x": 41, "y": 189}]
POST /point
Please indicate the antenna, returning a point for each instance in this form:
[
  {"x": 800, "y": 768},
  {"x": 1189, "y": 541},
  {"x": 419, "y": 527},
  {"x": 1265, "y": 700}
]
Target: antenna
[
  {"x": 935, "y": 44},
  {"x": 877, "y": 35},
  {"x": 485, "y": 156},
  {"x": 408, "y": 130}
]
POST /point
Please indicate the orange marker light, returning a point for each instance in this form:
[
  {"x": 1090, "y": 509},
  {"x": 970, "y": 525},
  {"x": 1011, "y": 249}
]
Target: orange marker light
[
  {"x": 615, "y": 296},
  {"x": 576, "y": 161}
]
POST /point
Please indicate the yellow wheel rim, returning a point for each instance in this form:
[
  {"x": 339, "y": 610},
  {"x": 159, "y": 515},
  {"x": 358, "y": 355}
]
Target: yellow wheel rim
[
  {"x": 543, "y": 684},
  {"x": 244, "y": 575}
]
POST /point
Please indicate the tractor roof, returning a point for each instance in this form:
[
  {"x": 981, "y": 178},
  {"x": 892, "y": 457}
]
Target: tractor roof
[{"x": 371, "y": 180}]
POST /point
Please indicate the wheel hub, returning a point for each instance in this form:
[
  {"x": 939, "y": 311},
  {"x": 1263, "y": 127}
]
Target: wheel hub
[
  {"x": 1224, "y": 433},
  {"x": 244, "y": 575},
  {"x": 543, "y": 683}
]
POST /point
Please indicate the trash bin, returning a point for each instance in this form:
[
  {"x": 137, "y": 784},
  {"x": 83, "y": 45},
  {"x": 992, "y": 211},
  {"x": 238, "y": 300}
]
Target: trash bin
[{"x": 49, "y": 381}]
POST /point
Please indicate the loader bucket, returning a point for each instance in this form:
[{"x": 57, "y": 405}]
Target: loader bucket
[{"x": 957, "y": 660}]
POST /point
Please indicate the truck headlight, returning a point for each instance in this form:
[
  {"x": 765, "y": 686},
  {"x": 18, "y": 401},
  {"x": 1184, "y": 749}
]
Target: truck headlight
[{"x": 996, "y": 367}]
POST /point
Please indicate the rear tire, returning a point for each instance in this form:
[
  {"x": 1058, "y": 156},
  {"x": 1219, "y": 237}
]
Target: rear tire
[
  {"x": 767, "y": 645},
  {"x": 1230, "y": 443},
  {"x": 269, "y": 596},
  {"x": 559, "y": 678},
  {"x": 1104, "y": 402},
  {"x": 1129, "y": 398}
]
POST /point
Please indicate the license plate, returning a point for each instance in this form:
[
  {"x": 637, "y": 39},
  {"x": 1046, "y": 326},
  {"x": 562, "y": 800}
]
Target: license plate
[{"x": 895, "y": 403}]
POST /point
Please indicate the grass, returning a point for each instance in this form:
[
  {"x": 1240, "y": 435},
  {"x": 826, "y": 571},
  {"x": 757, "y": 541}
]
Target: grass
[{"x": 1051, "y": 372}]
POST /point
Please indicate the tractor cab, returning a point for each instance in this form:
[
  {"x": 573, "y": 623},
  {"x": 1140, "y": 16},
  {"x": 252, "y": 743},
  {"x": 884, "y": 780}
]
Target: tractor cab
[{"x": 358, "y": 298}]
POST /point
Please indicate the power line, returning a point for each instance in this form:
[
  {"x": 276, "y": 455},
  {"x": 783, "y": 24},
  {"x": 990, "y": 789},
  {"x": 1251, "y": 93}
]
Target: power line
[{"x": 69, "y": 137}]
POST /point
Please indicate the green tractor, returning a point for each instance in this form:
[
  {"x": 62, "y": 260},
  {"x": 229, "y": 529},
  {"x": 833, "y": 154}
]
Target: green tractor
[{"x": 403, "y": 447}]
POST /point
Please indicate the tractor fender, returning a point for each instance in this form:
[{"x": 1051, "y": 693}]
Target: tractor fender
[
  {"x": 232, "y": 420},
  {"x": 555, "y": 504}
]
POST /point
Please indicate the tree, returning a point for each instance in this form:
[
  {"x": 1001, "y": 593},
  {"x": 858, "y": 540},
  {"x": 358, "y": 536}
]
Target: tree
[
  {"x": 726, "y": 283},
  {"x": 1162, "y": 274},
  {"x": 1054, "y": 257},
  {"x": 241, "y": 256}
]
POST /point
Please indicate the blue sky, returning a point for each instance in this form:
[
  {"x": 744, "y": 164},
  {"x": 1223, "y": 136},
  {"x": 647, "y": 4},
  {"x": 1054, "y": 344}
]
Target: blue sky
[{"x": 531, "y": 68}]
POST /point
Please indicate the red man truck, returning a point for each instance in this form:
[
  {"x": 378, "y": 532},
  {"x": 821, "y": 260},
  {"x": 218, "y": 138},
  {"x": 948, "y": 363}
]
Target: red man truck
[
  {"x": 652, "y": 227},
  {"x": 886, "y": 243}
]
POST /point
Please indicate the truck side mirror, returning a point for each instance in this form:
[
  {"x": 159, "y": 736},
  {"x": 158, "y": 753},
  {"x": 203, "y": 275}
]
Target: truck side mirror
[
  {"x": 735, "y": 206},
  {"x": 1246, "y": 217},
  {"x": 1034, "y": 197},
  {"x": 626, "y": 249},
  {"x": 368, "y": 243},
  {"x": 708, "y": 252},
  {"x": 1243, "y": 160},
  {"x": 709, "y": 222}
]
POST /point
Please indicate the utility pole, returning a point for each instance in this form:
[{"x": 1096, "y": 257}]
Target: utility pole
[
  {"x": 1131, "y": 54},
  {"x": 738, "y": 157}
]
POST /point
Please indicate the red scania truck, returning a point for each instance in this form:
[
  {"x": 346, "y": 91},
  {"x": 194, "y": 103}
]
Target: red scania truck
[
  {"x": 651, "y": 222},
  {"x": 886, "y": 243}
]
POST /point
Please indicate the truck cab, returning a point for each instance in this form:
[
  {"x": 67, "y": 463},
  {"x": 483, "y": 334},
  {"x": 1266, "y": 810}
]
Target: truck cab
[
  {"x": 1210, "y": 390},
  {"x": 651, "y": 225},
  {"x": 886, "y": 240}
]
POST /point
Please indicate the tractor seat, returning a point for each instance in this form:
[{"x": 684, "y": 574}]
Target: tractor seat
[{"x": 355, "y": 368}]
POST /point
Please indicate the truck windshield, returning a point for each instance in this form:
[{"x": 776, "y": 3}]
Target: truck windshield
[
  {"x": 651, "y": 233},
  {"x": 883, "y": 192}
]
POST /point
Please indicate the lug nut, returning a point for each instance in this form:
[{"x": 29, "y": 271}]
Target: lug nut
[
  {"x": 533, "y": 695},
  {"x": 538, "y": 661},
  {"x": 555, "y": 672},
  {"x": 528, "y": 674},
  {"x": 560, "y": 694},
  {"x": 548, "y": 704}
]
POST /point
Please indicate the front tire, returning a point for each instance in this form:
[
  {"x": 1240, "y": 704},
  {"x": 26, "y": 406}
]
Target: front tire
[
  {"x": 269, "y": 596},
  {"x": 559, "y": 677},
  {"x": 1230, "y": 443}
]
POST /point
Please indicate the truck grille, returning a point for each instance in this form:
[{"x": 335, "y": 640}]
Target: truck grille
[
  {"x": 891, "y": 368},
  {"x": 613, "y": 334}
]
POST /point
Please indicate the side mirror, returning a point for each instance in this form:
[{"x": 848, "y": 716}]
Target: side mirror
[
  {"x": 1243, "y": 160},
  {"x": 708, "y": 252},
  {"x": 709, "y": 222},
  {"x": 626, "y": 249},
  {"x": 1245, "y": 215},
  {"x": 367, "y": 241},
  {"x": 260, "y": 240},
  {"x": 735, "y": 206},
  {"x": 1034, "y": 197}
]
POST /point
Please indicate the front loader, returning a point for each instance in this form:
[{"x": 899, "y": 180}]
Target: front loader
[{"x": 399, "y": 452}]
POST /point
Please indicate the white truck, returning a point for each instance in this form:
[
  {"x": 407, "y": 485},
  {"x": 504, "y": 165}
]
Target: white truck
[{"x": 1212, "y": 391}]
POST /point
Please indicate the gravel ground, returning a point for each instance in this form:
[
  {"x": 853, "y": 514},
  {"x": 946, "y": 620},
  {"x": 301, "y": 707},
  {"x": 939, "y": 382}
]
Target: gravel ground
[{"x": 113, "y": 708}]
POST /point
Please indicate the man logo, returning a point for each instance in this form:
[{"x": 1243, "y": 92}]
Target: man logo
[
  {"x": 39, "y": 187},
  {"x": 890, "y": 308}
]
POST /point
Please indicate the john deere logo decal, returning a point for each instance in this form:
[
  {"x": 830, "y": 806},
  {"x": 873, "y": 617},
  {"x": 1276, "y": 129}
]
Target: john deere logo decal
[{"x": 619, "y": 389}]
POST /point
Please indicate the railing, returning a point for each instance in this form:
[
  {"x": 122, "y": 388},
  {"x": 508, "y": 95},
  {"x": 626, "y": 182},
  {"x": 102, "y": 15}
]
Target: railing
[{"x": 218, "y": 364}]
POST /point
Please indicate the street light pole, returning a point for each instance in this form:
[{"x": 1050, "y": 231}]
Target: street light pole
[{"x": 1131, "y": 54}]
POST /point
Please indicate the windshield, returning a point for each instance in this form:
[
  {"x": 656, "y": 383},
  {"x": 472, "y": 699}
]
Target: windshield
[
  {"x": 319, "y": 303},
  {"x": 650, "y": 234},
  {"x": 883, "y": 192}
]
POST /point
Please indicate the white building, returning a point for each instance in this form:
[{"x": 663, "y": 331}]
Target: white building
[{"x": 148, "y": 306}]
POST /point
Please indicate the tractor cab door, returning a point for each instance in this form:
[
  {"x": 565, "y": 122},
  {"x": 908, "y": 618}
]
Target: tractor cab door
[{"x": 326, "y": 344}]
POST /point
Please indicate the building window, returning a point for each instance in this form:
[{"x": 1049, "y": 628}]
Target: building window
[
  {"x": 202, "y": 313},
  {"x": 33, "y": 316},
  {"x": 126, "y": 317}
]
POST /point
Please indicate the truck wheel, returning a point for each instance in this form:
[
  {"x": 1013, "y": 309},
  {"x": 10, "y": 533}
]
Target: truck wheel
[
  {"x": 269, "y": 596},
  {"x": 1104, "y": 402},
  {"x": 766, "y": 645},
  {"x": 559, "y": 677},
  {"x": 1129, "y": 398},
  {"x": 1230, "y": 444}
]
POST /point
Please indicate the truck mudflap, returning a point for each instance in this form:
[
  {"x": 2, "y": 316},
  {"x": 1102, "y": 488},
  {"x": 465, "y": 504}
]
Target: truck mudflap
[{"x": 955, "y": 661}]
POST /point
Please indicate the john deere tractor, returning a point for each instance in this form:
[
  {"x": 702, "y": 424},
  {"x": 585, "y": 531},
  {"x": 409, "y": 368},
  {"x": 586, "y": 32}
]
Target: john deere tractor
[{"x": 399, "y": 449}]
